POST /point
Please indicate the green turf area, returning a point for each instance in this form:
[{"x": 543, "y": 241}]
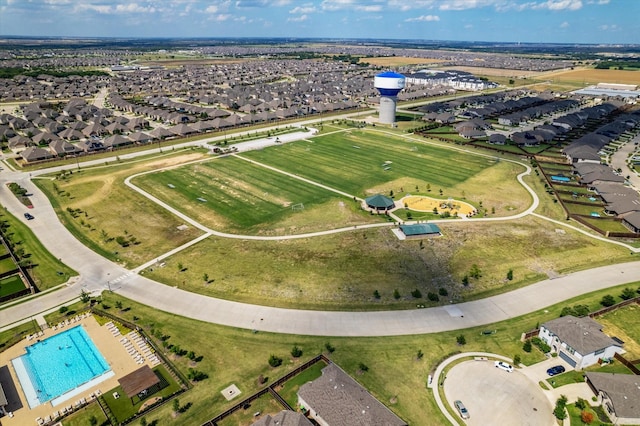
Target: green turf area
[
  {"x": 83, "y": 416},
  {"x": 11, "y": 285},
  {"x": 597, "y": 412},
  {"x": 123, "y": 408},
  {"x": 289, "y": 389},
  {"x": 240, "y": 357},
  {"x": 7, "y": 265},
  {"x": 13, "y": 335},
  {"x": 46, "y": 270}
]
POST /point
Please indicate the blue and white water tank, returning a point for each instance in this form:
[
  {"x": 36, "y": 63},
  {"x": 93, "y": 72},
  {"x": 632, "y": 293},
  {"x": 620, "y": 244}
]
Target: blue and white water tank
[{"x": 389, "y": 84}]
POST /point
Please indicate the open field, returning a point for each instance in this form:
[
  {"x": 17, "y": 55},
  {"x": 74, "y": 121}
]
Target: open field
[
  {"x": 101, "y": 202},
  {"x": 335, "y": 271},
  {"x": 240, "y": 357},
  {"x": 594, "y": 76},
  {"x": 625, "y": 324},
  {"x": 398, "y": 61},
  {"x": 494, "y": 72}
]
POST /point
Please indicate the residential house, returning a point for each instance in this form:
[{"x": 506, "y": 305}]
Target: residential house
[
  {"x": 579, "y": 341},
  {"x": 32, "y": 154},
  {"x": 284, "y": 418},
  {"x": 619, "y": 394},
  {"x": 335, "y": 399}
]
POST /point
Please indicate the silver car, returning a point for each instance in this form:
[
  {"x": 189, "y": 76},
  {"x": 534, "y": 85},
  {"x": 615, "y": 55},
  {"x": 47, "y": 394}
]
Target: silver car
[{"x": 461, "y": 409}]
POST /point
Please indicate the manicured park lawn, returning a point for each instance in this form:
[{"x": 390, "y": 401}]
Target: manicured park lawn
[
  {"x": 82, "y": 417},
  {"x": 10, "y": 285},
  {"x": 7, "y": 265}
]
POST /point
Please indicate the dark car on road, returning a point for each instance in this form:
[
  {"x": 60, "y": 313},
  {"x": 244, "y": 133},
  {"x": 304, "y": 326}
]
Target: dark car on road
[
  {"x": 29, "y": 216},
  {"x": 558, "y": 369}
]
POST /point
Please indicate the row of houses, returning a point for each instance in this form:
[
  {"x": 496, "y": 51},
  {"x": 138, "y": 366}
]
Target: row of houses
[{"x": 458, "y": 80}]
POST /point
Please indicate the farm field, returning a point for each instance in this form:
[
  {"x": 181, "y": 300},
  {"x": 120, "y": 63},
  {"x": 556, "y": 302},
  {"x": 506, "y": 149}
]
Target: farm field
[
  {"x": 336, "y": 272},
  {"x": 594, "y": 76},
  {"x": 398, "y": 61}
]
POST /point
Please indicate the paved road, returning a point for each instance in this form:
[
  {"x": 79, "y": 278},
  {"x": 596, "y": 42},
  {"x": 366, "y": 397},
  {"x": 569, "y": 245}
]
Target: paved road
[
  {"x": 97, "y": 273},
  {"x": 619, "y": 161}
]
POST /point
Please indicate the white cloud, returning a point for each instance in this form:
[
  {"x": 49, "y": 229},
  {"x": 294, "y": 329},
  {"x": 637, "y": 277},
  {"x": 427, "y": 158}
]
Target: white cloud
[
  {"x": 554, "y": 5},
  {"x": 565, "y": 24},
  {"x": 424, "y": 18},
  {"x": 300, "y": 18},
  {"x": 220, "y": 18},
  {"x": 467, "y": 4},
  {"x": 369, "y": 8},
  {"x": 305, "y": 8}
]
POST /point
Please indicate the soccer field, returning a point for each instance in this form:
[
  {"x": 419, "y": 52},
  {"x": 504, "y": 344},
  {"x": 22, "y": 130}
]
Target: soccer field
[{"x": 235, "y": 195}]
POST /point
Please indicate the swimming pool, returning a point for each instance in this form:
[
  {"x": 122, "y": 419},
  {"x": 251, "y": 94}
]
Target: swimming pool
[{"x": 59, "y": 365}]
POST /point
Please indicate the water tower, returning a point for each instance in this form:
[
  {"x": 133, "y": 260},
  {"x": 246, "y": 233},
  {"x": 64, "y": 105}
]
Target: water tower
[{"x": 389, "y": 84}]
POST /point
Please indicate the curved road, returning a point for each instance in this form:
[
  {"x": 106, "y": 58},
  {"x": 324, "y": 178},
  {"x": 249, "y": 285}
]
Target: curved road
[{"x": 97, "y": 273}]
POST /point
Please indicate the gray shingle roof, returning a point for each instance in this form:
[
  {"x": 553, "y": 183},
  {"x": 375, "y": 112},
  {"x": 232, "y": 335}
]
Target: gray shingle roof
[
  {"x": 622, "y": 389},
  {"x": 582, "y": 334},
  {"x": 341, "y": 401}
]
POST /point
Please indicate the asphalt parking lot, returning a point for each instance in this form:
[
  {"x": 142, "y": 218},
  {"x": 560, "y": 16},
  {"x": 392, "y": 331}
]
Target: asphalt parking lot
[{"x": 493, "y": 396}]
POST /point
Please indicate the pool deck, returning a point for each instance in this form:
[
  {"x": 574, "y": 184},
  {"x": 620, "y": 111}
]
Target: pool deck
[{"x": 108, "y": 342}]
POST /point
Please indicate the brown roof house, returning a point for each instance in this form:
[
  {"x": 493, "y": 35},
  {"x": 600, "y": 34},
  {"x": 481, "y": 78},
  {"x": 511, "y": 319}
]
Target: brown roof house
[
  {"x": 579, "y": 341},
  {"x": 335, "y": 399},
  {"x": 619, "y": 394}
]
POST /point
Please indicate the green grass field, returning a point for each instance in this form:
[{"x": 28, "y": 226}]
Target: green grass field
[{"x": 10, "y": 285}]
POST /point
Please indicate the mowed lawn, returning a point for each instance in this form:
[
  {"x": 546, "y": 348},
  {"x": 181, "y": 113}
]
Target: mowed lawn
[
  {"x": 236, "y": 195},
  {"x": 245, "y": 195}
]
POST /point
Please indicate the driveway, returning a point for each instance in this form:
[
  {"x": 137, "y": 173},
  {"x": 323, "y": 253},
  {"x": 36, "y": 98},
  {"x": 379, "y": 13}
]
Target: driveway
[
  {"x": 494, "y": 396},
  {"x": 538, "y": 372}
]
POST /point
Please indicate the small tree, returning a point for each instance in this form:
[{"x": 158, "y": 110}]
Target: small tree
[
  {"x": 608, "y": 300},
  {"x": 296, "y": 352},
  {"x": 396, "y": 294},
  {"x": 516, "y": 360},
  {"x": 560, "y": 411},
  {"x": 118, "y": 304},
  {"x": 461, "y": 340},
  {"x": 275, "y": 361},
  {"x": 419, "y": 355},
  {"x": 527, "y": 346},
  {"x": 416, "y": 294},
  {"x": 376, "y": 294},
  {"x": 627, "y": 293},
  {"x": 143, "y": 422},
  {"x": 93, "y": 420},
  {"x": 205, "y": 278},
  {"x": 581, "y": 404},
  {"x": 63, "y": 309},
  {"x": 180, "y": 266},
  {"x": 465, "y": 280},
  {"x": 443, "y": 292},
  {"x": 84, "y": 296},
  {"x": 433, "y": 297},
  {"x": 363, "y": 367},
  {"x": 329, "y": 347},
  {"x": 510, "y": 274},
  {"x": 475, "y": 271}
]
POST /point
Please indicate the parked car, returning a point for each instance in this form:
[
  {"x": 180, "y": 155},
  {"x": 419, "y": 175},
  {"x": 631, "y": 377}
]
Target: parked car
[
  {"x": 461, "y": 409},
  {"x": 504, "y": 366},
  {"x": 557, "y": 369},
  {"x": 29, "y": 216}
]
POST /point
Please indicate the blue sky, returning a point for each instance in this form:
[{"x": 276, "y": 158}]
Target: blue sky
[{"x": 559, "y": 21}]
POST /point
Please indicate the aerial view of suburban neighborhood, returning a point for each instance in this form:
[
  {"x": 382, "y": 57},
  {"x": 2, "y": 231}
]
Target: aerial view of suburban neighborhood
[{"x": 319, "y": 212}]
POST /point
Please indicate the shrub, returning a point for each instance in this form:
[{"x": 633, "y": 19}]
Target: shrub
[
  {"x": 416, "y": 294},
  {"x": 196, "y": 376},
  {"x": 296, "y": 352},
  {"x": 176, "y": 405},
  {"x": 329, "y": 347},
  {"x": 63, "y": 309},
  {"x": 275, "y": 361},
  {"x": 443, "y": 292},
  {"x": 559, "y": 411},
  {"x": 433, "y": 297},
  {"x": 516, "y": 359},
  {"x": 581, "y": 404},
  {"x": 376, "y": 294},
  {"x": 627, "y": 293},
  {"x": 363, "y": 367},
  {"x": 465, "y": 281},
  {"x": 540, "y": 344},
  {"x": 396, "y": 294},
  {"x": 608, "y": 300},
  {"x": 419, "y": 355},
  {"x": 527, "y": 346},
  {"x": 461, "y": 340},
  {"x": 475, "y": 271},
  {"x": 510, "y": 274},
  {"x": 586, "y": 417}
]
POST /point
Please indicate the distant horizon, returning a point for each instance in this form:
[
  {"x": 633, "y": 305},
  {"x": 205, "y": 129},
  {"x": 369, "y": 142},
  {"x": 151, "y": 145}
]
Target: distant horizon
[
  {"x": 302, "y": 39},
  {"x": 591, "y": 22}
]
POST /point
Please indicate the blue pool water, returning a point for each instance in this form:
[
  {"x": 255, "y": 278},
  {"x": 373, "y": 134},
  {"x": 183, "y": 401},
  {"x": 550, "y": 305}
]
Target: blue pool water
[
  {"x": 560, "y": 178},
  {"x": 58, "y": 365}
]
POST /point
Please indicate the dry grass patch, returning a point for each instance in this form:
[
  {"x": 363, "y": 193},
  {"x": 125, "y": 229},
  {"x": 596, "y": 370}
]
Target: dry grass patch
[
  {"x": 396, "y": 61},
  {"x": 594, "y": 76}
]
